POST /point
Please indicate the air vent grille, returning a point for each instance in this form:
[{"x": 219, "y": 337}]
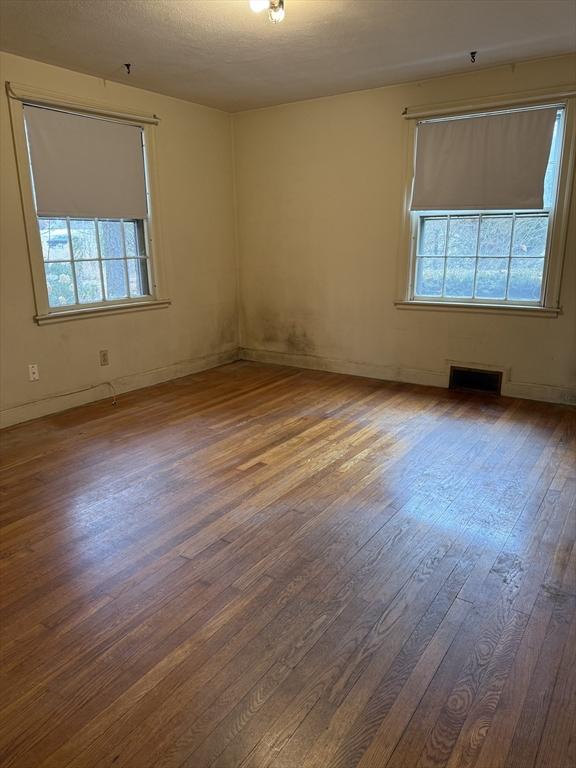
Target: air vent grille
[{"x": 475, "y": 380}]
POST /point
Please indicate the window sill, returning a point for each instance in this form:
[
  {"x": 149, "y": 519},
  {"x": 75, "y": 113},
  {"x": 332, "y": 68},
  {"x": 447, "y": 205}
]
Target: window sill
[
  {"x": 112, "y": 309},
  {"x": 491, "y": 309}
]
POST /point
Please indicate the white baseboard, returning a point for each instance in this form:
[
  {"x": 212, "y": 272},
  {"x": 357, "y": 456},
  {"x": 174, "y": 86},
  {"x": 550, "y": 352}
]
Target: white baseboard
[
  {"x": 369, "y": 370},
  {"x": 546, "y": 393},
  {"x": 524, "y": 390},
  {"x": 66, "y": 400}
]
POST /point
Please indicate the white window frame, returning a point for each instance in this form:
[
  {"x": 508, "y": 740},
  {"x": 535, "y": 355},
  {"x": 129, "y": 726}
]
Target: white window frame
[
  {"x": 549, "y": 304},
  {"x": 18, "y": 97}
]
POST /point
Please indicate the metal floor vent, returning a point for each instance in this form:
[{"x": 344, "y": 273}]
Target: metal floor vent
[{"x": 475, "y": 380}]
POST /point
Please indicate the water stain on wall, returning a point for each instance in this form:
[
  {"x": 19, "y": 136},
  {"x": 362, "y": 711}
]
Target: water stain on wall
[
  {"x": 298, "y": 341},
  {"x": 269, "y": 325},
  {"x": 227, "y": 331},
  {"x": 284, "y": 334}
]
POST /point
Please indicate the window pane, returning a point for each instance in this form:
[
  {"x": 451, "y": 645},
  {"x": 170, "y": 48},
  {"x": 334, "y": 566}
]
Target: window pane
[
  {"x": 429, "y": 276},
  {"x": 495, "y": 232},
  {"x": 525, "y": 279},
  {"x": 491, "y": 278},
  {"x": 134, "y": 238},
  {"x": 550, "y": 185},
  {"x": 88, "y": 281},
  {"x": 54, "y": 237},
  {"x": 83, "y": 234},
  {"x": 111, "y": 239},
  {"x": 60, "y": 284},
  {"x": 459, "y": 278},
  {"x": 530, "y": 236},
  {"x": 550, "y": 181},
  {"x": 463, "y": 236},
  {"x": 432, "y": 237},
  {"x": 115, "y": 279},
  {"x": 138, "y": 277}
]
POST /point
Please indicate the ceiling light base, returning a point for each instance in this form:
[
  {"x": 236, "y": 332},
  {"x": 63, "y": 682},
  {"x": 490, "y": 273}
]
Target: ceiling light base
[
  {"x": 276, "y": 11},
  {"x": 275, "y": 8}
]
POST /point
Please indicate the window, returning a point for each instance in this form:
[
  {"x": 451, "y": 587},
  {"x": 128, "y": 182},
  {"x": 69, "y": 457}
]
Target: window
[
  {"x": 92, "y": 261},
  {"x": 487, "y": 256},
  {"x": 85, "y": 177},
  {"x": 469, "y": 254}
]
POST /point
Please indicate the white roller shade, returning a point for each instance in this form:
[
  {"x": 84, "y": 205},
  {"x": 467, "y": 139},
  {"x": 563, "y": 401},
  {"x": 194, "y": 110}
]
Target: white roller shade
[
  {"x": 494, "y": 161},
  {"x": 85, "y": 166}
]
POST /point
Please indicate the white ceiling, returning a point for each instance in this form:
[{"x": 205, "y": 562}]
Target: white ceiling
[{"x": 219, "y": 53}]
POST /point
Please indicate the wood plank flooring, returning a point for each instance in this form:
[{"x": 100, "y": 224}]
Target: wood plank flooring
[{"x": 260, "y": 566}]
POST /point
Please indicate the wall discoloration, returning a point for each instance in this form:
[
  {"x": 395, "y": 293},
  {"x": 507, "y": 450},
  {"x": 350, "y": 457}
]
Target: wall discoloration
[
  {"x": 298, "y": 341},
  {"x": 269, "y": 326},
  {"x": 327, "y": 258},
  {"x": 283, "y": 334},
  {"x": 227, "y": 331},
  {"x": 195, "y": 208}
]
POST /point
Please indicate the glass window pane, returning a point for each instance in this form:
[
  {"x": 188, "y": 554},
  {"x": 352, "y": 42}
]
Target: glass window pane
[
  {"x": 60, "y": 284},
  {"x": 463, "y": 236},
  {"x": 491, "y": 278},
  {"x": 54, "y": 237},
  {"x": 88, "y": 281},
  {"x": 495, "y": 233},
  {"x": 525, "y": 279},
  {"x": 550, "y": 180},
  {"x": 530, "y": 236},
  {"x": 429, "y": 277},
  {"x": 459, "y": 278},
  {"x": 134, "y": 238},
  {"x": 138, "y": 277},
  {"x": 83, "y": 234},
  {"x": 432, "y": 237},
  {"x": 550, "y": 185},
  {"x": 110, "y": 233},
  {"x": 115, "y": 279}
]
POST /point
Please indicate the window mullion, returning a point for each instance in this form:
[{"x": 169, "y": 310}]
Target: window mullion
[
  {"x": 124, "y": 259},
  {"x": 418, "y": 220},
  {"x": 510, "y": 256},
  {"x": 102, "y": 285},
  {"x": 72, "y": 261},
  {"x": 546, "y": 265},
  {"x": 477, "y": 256},
  {"x": 445, "y": 255}
]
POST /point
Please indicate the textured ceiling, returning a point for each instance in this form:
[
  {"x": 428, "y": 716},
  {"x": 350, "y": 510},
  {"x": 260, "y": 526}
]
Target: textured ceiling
[{"x": 219, "y": 53}]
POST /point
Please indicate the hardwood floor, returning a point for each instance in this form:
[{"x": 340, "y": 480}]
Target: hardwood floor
[{"x": 261, "y": 566}]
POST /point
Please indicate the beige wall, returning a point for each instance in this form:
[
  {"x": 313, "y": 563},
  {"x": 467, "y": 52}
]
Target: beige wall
[
  {"x": 194, "y": 154},
  {"x": 318, "y": 213},
  {"x": 319, "y": 196}
]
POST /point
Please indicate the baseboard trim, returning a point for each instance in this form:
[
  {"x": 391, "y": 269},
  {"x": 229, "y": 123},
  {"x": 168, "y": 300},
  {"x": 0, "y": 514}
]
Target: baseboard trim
[
  {"x": 62, "y": 402},
  {"x": 546, "y": 393},
  {"x": 335, "y": 365},
  {"x": 524, "y": 390}
]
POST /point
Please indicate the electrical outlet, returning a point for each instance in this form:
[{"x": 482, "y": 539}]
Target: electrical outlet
[
  {"x": 33, "y": 374},
  {"x": 104, "y": 359}
]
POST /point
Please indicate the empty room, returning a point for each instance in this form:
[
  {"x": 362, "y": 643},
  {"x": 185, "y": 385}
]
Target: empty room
[{"x": 288, "y": 383}]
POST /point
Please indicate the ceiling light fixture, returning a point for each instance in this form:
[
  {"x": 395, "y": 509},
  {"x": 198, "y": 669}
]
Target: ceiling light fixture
[{"x": 275, "y": 8}]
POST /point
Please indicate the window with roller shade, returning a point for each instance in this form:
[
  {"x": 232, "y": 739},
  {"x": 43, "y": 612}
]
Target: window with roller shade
[
  {"x": 91, "y": 201},
  {"x": 484, "y": 193}
]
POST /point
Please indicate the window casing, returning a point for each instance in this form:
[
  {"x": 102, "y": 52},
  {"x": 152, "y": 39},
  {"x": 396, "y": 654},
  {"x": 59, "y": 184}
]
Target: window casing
[
  {"x": 84, "y": 266},
  {"x": 507, "y": 259}
]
